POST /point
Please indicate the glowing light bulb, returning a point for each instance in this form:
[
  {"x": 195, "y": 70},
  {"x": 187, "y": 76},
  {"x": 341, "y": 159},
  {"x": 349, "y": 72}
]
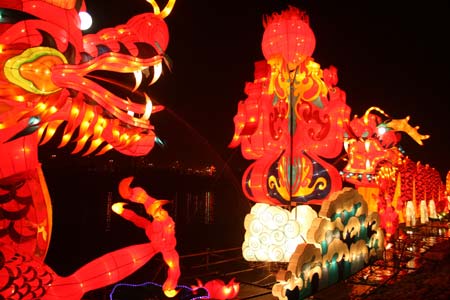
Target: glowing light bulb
[
  {"x": 86, "y": 20},
  {"x": 381, "y": 130}
]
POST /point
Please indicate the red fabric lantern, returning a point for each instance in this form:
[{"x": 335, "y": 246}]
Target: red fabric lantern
[
  {"x": 46, "y": 79},
  {"x": 289, "y": 35},
  {"x": 292, "y": 119},
  {"x": 218, "y": 289}
]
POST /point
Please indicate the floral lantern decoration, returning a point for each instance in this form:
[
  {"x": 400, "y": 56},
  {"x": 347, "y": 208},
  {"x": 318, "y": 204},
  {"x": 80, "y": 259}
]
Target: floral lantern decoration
[{"x": 278, "y": 32}]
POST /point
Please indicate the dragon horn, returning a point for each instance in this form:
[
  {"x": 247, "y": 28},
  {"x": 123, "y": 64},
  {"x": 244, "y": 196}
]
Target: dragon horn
[
  {"x": 366, "y": 115},
  {"x": 124, "y": 187},
  {"x": 166, "y": 10}
]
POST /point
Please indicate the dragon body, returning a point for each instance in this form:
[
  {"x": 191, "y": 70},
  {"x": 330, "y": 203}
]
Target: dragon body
[{"x": 93, "y": 86}]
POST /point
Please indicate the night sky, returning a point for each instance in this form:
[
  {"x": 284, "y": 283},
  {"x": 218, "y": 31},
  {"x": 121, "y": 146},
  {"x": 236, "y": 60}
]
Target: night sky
[{"x": 388, "y": 54}]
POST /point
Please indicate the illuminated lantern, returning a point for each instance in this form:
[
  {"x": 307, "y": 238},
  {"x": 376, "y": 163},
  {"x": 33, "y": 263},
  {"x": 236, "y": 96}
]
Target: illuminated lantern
[
  {"x": 389, "y": 218},
  {"x": 160, "y": 231},
  {"x": 289, "y": 35},
  {"x": 368, "y": 150},
  {"x": 410, "y": 214},
  {"x": 407, "y": 172},
  {"x": 420, "y": 185},
  {"x": 292, "y": 119},
  {"x": 371, "y": 144},
  {"x": 273, "y": 233},
  {"x": 447, "y": 182},
  {"x": 67, "y": 4},
  {"x": 24, "y": 276},
  {"x": 25, "y": 210},
  {"x": 432, "y": 209},
  {"x": 29, "y": 270},
  {"x": 423, "y": 212},
  {"x": 446, "y": 195},
  {"x": 340, "y": 241},
  {"x": 218, "y": 289},
  {"x": 54, "y": 76},
  {"x": 377, "y": 167}
]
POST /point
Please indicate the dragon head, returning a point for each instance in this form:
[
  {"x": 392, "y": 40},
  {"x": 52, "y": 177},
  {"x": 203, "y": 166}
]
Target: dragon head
[
  {"x": 372, "y": 145},
  {"x": 94, "y": 85}
]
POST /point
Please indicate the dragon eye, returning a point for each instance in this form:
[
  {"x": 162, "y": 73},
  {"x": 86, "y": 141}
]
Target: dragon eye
[
  {"x": 365, "y": 134},
  {"x": 31, "y": 70},
  {"x": 382, "y": 129}
]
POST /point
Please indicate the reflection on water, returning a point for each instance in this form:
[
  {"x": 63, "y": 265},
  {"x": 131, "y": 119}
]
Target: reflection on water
[
  {"x": 208, "y": 212},
  {"x": 194, "y": 207}
]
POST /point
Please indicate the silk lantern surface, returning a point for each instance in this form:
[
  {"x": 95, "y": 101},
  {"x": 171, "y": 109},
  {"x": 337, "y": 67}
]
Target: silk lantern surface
[{"x": 292, "y": 120}]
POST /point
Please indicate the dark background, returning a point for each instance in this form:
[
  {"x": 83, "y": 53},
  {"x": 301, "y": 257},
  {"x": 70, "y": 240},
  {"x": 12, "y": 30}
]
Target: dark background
[{"x": 393, "y": 55}]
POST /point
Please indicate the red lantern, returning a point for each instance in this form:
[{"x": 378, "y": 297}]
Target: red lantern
[
  {"x": 218, "y": 289},
  {"x": 46, "y": 81},
  {"x": 288, "y": 35},
  {"x": 292, "y": 119}
]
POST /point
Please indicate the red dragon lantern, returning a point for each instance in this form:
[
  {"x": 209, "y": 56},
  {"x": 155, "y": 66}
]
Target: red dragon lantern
[
  {"x": 373, "y": 143},
  {"x": 292, "y": 120},
  {"x": 376, "y": 164},
  {"x": 53, "y": 76}
]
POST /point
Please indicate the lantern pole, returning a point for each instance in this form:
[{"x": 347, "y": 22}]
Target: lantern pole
[{"x": 292, "y": 75}]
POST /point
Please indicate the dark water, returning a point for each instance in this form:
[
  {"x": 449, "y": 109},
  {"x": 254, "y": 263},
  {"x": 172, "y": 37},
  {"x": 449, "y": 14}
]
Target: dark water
[{"x": 208, "y": 212}]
